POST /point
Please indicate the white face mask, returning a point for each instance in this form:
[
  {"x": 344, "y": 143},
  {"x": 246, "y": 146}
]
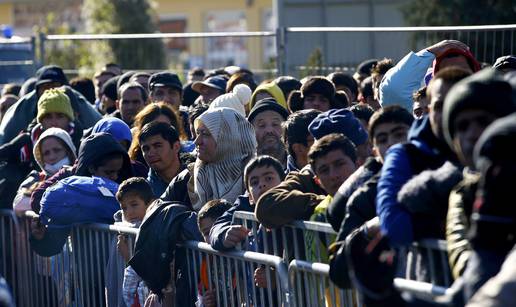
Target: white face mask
[{"x": 54, "y": 168}]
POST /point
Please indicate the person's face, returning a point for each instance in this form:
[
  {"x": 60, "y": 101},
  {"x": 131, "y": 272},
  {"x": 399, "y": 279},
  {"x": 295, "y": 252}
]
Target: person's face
[
  {"x": 438, "y": 91},
  {"x": 167, "y": 94},
  {"x": 46, "y": 86},
  {"x": 205, "y": 143},
  {"x": 130, "y": 104},
  {"x": 107, "y": 104},
  {"x": 56, "y": 120},
  {"x": 159, "y": 154},
  {"x": 209, "y": 93},
  {"x": 317, "y": 102},
  {"x": 262, "y": 179},
  {"x": 388, "y": 134},
  {"x": 5, "y": 103},
  {"x": 377, "y": 79},
  {"x": 420, "y": 108},
  {"x": 458, "y": 61},
  {"x": 267, "y": 126},
  {"x": 468, "y": 126},
  {"x": 133, "y": 208},
  {"x": 52, "y": 150},
  {"x": 333, "y": 169},
  {"x": 99, "y": 82},
  {"x": 205, "y": 225},
  {"x": 109, "y": 170},
  {"x": 301, "y": 151}
]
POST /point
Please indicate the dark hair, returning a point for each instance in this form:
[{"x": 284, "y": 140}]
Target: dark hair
[
  {"x": 381, "y": 67},
  {"x": 241, "y": 77},
  {"x": 287, "y": 84},
  {"x": 133, "y": 85},
  {"x": 295, "y": 128},
  {"x": 295, "y": 101},
  {"x": 166, "y": 131},
  {"x": 84, "y": 86},
  {"x": 106, "y": 158},
  {"x": 419, "y": 94},
  {"x": 362, "y": 111},
  {"x": 11, "y": 88},
  {"x": 213, "y": 209},
  {"x": 330, "y": 142},
  {"x": 341, "y": 99},
  {"x": 342, "y": 79},
  {"x": 449, "y": 75},
  {"x": 389, "y": 114},
  {"x": 195, "y": 112},
  {"x": 137, "y": 186},
  {"x": 196, "y": 71},
  {"x": 263, "y": 161},
  {"x": 366, "y": 87}
]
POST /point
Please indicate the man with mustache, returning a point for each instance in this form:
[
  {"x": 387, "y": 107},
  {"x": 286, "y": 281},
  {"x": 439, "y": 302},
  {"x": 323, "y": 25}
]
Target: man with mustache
[{"x": 266, "y": 117}]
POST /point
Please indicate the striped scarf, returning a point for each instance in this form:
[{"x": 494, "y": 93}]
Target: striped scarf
[{"x": 236, "y": 145}]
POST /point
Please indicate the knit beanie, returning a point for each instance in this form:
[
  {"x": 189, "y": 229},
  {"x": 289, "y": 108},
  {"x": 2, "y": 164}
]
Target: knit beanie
[
  {"x": 274, "y": 90},
  {"x": 54, "y": 100},
  {"x": 236, "y": 100},
  {"x": 318, "y": 85},
  {"x": 267, "y": 104},
  {"x": 338, "y": 121},
  {"x": 485, "y": 90}
]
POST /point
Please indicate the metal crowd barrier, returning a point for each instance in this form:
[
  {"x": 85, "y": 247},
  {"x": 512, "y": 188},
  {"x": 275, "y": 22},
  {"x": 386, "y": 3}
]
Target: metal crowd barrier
[{"x": 78, "y": 275}]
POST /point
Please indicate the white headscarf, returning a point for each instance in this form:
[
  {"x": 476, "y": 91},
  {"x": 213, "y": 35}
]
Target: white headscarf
[{"x": 236, "y": 145}]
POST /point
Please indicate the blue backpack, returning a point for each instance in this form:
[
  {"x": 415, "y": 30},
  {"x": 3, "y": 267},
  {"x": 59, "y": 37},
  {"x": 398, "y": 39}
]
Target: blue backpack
[{"x": 78, "y": 200}]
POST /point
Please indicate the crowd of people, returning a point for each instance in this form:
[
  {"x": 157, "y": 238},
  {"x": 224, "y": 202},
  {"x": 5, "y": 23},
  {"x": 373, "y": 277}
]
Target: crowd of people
[{"x": 396, "y": 153}]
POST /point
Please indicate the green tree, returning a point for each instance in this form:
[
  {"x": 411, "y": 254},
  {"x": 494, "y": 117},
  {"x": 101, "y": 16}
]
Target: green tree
[
  {"x": 486, "y": 45},
  {"x": 126, "y": 16}
]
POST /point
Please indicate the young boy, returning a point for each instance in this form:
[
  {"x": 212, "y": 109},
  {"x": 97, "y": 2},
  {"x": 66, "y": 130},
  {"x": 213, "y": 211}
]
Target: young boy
[
  {"x": 260, "y": 175},
  {"x": 134, "y": 195},
  {"x": 206, "y": 217}
]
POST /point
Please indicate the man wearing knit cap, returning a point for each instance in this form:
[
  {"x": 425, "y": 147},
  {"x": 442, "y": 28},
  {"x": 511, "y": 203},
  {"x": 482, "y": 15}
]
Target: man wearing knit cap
[
  {"x": 24, "y": 111},
  {"x": 54, "y": 110},
  {"x": 166, "y": 87},
  {"x": 267, "y": 117},
  {"x": 401, "y": 81},
  {"x": 318, "y": 93},
  {"x": 297, "y": 196}
]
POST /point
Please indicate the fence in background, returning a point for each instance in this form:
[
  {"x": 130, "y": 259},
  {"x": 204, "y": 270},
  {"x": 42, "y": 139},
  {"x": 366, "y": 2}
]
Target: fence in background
[
  {"x": 79, "y": 273},
  {"x": 287, "y": 51}
]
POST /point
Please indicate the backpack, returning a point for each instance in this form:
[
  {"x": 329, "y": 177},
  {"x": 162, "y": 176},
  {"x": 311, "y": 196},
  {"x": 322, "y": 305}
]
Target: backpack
[{"x": 79, "y": 199}]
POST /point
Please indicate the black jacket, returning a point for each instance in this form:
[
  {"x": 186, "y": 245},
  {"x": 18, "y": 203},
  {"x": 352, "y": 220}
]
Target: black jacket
[
  {"x": 177, "y": 190},
  {"x": 165, "y": 225}
]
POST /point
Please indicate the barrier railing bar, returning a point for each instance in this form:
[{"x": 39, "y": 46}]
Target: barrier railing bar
[
  {"x": 419, "y": 287},
  {"x": 158, "y": 35},
  {"x": 401, "y": 29}
]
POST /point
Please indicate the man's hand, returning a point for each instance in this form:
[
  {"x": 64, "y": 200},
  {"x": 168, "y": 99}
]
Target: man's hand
[
  {"x": 260, "y": 278},
  {"x": 443, "y": 46},
  {"x": 209, "y": 299},
  {"x": 235, "y": 235},
  {"x": 37, "y": 229}
]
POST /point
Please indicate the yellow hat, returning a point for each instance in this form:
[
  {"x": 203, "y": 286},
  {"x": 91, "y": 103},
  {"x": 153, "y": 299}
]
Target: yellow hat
[{"x": 54, "y": 100}]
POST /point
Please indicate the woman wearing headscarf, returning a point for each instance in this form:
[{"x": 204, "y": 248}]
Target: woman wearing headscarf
[{"x": 225, "y": 143}]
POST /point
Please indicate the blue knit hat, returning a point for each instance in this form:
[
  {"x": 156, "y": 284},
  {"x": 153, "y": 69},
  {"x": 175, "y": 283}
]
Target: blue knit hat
[{"x": 338, "y": 121}]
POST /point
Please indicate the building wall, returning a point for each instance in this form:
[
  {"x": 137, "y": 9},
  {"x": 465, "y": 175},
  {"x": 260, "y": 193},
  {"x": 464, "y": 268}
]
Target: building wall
[{"x": 6, "y": 13}]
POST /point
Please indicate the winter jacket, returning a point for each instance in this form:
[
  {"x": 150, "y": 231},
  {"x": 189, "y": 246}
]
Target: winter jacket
[
  {"x": 181, "y": 188},
  {"x": 222, "y": 224},
  {"x": 158, "y": 185},
  {"x": 402, "y": 161},
  {"x": 337, "y": 209},
  {"x": 164, "y": 226},
  {"x": 460, "y": 207},
  {"x": 425, "y": 197},
  {"x": 24, "y": 111},
  {"x": 401, "y": 81},
  {"x": 293, "y": 199}
]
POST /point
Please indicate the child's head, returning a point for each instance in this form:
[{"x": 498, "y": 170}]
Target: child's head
[
  {"x": 134, "y": 195},
  {"x": 209, "y": 213},
  {"x": 261, "y": 174},
  {"x": 389, "y": 126},
  {"x": 333, "y": 159}
]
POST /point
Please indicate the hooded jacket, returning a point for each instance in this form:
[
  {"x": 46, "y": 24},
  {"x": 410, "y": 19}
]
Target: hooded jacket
[
  {"x": 60, "y": 134},
  {"x": 19, "y": 115},
  {"x": 164, "y": 226},
  {"x": 402, "y": 161}
]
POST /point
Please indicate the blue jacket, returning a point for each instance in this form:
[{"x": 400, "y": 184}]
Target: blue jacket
[
  {"x": 158, "y": 185},
  {"x": 399, "y": 166},
  {"x": 222, "y": 224},
  {"x": 401, "y": 81}
]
